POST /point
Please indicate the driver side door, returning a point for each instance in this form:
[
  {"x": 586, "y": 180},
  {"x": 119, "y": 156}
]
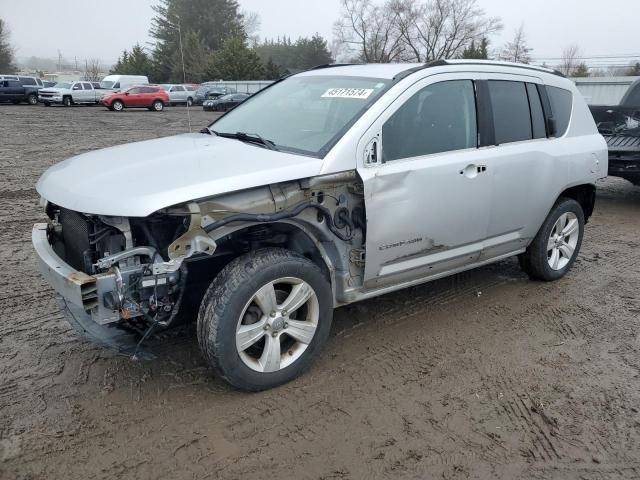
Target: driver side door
[{"x": 427, "y": 186}]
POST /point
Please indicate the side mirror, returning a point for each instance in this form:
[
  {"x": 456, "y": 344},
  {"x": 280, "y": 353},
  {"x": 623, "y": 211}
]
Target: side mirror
[{"x": 126, "y": 93}]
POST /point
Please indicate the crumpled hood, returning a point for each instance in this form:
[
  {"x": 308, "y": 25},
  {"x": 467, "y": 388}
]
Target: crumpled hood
[{"x": 137, "y": 179}]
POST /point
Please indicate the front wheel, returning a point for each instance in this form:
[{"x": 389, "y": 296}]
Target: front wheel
[
  {"x": 264, "y": 318},
  {"x": 157, "y": 106},
  {"x": 117, "y": 105},
  {"x": 556, "y": 246},
  {"x": 66, "y": 101}
]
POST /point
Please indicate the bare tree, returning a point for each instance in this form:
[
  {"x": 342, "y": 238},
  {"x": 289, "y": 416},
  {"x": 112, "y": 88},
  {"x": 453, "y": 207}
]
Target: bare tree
[
  {"x": 7, "y": 59},
  {"x": 412, "y": 30},
  {"x": 517, "y": 50},
  {"x": 569, "y": 60},
  {"x": 440, "y": 29},
  {"x": 92, "y": 70},
  {"x": 367, "y": 32},
  {"x": 252, "y": 24}
]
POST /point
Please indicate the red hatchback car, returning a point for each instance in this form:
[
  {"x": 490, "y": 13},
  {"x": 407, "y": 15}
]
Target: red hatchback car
[{"x": 147, "y": 96}]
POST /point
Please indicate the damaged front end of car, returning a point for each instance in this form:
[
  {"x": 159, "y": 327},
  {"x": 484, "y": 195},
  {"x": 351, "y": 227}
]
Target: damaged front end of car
[{"x": 136, "y": 272}]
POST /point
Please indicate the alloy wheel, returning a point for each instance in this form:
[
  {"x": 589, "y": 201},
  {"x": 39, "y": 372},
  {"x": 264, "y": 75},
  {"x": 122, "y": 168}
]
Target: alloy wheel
[{"x": 563, "y": 240}]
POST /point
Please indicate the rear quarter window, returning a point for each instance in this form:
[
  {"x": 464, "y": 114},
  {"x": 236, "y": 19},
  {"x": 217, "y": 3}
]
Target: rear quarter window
[
  {"x": 27, "y": 81},
  {"x": 561, "y": 101}
]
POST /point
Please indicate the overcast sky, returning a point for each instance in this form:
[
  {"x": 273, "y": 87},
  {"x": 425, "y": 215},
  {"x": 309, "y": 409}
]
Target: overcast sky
[{"x": 86, "y": 29}]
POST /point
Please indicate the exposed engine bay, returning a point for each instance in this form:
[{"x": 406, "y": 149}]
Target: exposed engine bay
[{"x": 144, "y": 266}]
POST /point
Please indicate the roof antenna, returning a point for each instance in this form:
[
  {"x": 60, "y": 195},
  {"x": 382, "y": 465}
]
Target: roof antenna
[{"x": 184, "y": 75}]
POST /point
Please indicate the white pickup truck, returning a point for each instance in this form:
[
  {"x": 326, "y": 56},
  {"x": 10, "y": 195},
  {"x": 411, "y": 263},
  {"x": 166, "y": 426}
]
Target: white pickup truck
[{"x": 70, "y": 93}]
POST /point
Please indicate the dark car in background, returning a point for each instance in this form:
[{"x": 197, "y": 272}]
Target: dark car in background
[
  {"x": 225, "y": 103},
  {"x": 211, "y": 91},
  {"x": 620, "y": 126},
  {"x": 15, "y": 92}
]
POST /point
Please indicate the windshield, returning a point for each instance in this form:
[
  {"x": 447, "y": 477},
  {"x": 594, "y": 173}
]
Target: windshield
[
  {"x": 106, "y": 85},
  {"x": 304, "y": 114},
  {"x": 65, "y": 85}
]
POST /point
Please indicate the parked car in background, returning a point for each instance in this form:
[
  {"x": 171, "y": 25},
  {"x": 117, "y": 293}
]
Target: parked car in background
[
  {"x": 24, "y": 80},
  {"x": 118, "y": 83},
  {"x": 152, "y": 97},
  {"x": 48, "y": 83},
  {"x": 225, "y": 103},
  {"x": 71, "y": 93},
  {"x": 13, "y": 91},
  {"x": 179, "y": 94},
  {"x": 620, "y": 126},
  {"x": 330, "y": 187},
  {"x": 211, "y": 91}
]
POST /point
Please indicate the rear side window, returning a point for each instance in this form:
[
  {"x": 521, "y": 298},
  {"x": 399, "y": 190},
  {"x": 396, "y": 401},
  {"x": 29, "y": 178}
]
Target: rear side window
[
  {"x": 87, "y": 86},
  {"x": 537, "y": 113},
  {"x": 561, "y": 105},
  {"x": 511, "y": 115},
  {"x": 27, "y": 81},
  {"x": 439, "y": 118}
]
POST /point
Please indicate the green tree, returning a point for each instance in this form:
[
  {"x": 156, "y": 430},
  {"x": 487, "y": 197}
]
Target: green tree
[
  {"x": 582, "y": 70},
  {"x": 272, "y": 71},
  {"x": 634, "y": 70},
  {"x": 213, "y": 21},
  {"x": 195, "y": 54},
  {"x": 301, "y": 55},
  {"x": 235, "y": 61},
  {"x": 135, "y": 62},
  {"x": 7, "y": 61},
  {"x": 480, "y": 52}
]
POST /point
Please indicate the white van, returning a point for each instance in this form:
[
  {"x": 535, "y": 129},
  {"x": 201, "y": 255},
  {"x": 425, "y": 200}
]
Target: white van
[{"x": 122, "y": 82}]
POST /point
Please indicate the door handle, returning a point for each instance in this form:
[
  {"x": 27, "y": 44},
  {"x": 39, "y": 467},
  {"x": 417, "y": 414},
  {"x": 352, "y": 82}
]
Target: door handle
[{"x": 472, "y": 170}]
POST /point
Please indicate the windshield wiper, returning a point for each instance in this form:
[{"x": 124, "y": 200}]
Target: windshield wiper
[{"x": 248, "y": 137}]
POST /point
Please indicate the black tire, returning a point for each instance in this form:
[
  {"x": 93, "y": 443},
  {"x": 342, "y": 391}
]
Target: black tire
[
  {"x": 535, "y": 261},
  {"x": 47, "y": 104},
  {"x": 32, "y": 99},
  {"x": 189, "y": 102},
  {"x": 227, "y": 297},
  {"x": 157, "y": 106},
  {"x": 67, "y": 102},
  {"x": 117, "y": 106}
]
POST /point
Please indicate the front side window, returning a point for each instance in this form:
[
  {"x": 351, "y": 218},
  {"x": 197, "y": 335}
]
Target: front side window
[
  {"x": 305, "y": 114},
  {"x": 439, "y": 118},
  {"x": 134, "y": 91},
  {"x": 77, "y": 86},
  {"x": 561, "y": 105},
  {"x": 511, "y": 115}
]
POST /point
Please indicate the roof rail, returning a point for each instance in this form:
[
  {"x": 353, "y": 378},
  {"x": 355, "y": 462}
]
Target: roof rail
[
  {"x": 442, "y": 63},
  {"x": 332, "y": 65}
]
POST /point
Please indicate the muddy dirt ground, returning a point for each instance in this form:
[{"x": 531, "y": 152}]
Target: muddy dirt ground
[{"x": 483, "y": 375}]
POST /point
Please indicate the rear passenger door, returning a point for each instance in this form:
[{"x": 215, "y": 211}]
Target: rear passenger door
[
  {"x": 523, "y": 169},
  {"x": 427, "y": 190}
]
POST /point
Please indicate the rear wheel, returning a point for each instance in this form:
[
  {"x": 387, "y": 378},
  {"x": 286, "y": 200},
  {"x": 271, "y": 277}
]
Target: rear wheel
[
  {"x": 117, "y": 105},
  {"x": 556, "y": 246},
  {"x": 157, "y": 106},
  {"x": 32, "y": 99},
  {"x": 189, "y": 102},
  {"x": 264, "y": 318}
]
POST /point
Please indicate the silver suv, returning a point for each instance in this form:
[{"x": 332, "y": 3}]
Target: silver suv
[{"x": 335, "y": 185}]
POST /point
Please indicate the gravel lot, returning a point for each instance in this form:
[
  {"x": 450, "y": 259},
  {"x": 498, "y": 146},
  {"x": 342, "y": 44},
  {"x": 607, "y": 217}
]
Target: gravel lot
[{"x": 483, "y": 375}]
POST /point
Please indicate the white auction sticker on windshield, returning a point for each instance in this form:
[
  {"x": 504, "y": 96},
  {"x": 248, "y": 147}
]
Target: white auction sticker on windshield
[{"x": 358, "y": 93}]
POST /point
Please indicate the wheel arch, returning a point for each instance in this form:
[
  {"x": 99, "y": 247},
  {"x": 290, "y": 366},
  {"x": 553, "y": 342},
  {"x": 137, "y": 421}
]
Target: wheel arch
[
  {"x": 299, "y": 237},
  {"x": 585, "y": 195}
]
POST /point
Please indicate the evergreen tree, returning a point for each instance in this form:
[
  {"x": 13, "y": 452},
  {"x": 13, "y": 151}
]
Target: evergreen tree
[
  {"x": 136, "y": 62},
  {"x": 272, "y": 71},
  {"x": 7, "y": 61},
  {"x": 213, "y": 21},
  {"x": 196, "y": 55},
  {"x": 235, "y": 61},
  {"x": 582, "y": 70},
  {"x": 481, "y": 52},
  {"x": 634, "y": 70},
  {"x": 301, "y": 55}
]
